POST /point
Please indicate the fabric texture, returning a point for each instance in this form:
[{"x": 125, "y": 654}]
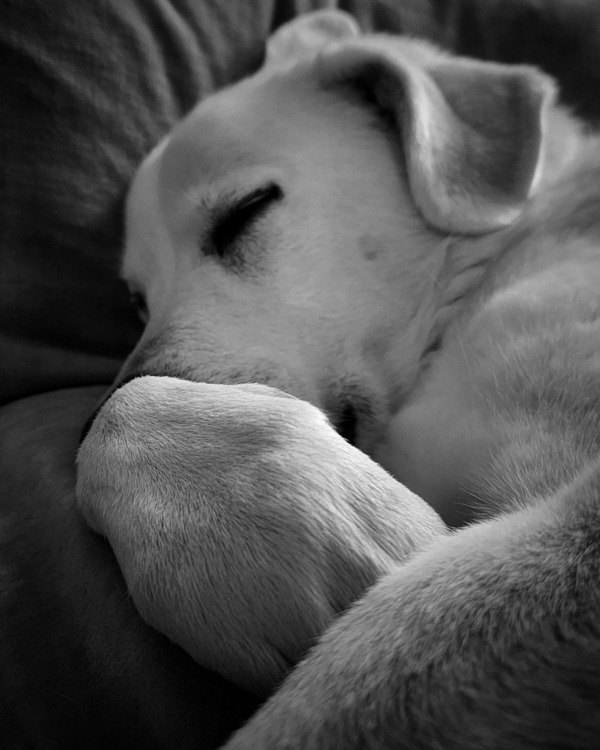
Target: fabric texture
[{"x": 78, "y": 667}]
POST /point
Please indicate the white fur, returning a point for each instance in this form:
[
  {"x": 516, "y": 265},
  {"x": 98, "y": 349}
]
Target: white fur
[{"x": 243, "y": 523}]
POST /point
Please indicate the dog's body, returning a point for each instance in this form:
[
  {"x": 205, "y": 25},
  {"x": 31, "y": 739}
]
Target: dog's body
[{"x": 281, "y": 235}]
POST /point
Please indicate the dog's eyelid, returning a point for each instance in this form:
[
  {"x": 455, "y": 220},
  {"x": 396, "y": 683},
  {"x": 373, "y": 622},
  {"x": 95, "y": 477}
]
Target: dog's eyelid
[
  {"x": 236, "y": 214},
  {"x": 237, "y": 200},
  {"x": 255, "y": 199}
]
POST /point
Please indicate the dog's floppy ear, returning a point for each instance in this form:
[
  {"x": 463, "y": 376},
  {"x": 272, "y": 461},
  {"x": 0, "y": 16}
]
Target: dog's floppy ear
[
  {"x": 309, "y": 32},
  {"x": 472, "y": 131}
]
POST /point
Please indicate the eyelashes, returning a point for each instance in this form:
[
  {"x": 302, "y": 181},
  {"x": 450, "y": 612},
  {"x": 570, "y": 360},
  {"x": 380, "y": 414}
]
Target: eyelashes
[{"x": 236, "y": 219}]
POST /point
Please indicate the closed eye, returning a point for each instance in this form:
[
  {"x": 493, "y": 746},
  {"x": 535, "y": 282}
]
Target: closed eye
[{"x": 238, "y": 217}]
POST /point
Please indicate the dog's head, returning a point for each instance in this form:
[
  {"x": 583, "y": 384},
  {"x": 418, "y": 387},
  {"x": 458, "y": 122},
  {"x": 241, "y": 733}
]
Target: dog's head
[{"x": 297, "y": 229}]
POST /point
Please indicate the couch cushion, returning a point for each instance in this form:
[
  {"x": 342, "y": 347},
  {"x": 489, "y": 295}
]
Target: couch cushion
[{"x": 78, "y": 667}]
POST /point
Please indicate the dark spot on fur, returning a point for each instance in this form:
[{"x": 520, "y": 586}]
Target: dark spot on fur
[{"x": 370, "y": 247}]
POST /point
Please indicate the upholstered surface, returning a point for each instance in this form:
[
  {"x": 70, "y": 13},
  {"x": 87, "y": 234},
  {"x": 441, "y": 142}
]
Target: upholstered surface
[{"x": 78, "y": 666}]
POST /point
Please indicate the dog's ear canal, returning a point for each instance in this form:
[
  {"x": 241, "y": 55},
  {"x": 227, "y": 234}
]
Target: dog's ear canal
[{"x": 472, "y": 132}]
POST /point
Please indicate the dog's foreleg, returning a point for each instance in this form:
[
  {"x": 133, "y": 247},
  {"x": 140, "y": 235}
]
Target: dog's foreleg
[
  {"x": 242, "y": 522},
  {"x": 490, "y": 639}
]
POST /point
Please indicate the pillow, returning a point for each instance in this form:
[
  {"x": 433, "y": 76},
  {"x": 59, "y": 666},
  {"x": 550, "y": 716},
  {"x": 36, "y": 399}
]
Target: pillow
[{"x": 87, "y": 88}]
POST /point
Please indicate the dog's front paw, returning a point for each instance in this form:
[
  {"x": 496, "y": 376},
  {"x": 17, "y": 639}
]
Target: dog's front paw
[{"x": 243, "y": 523}]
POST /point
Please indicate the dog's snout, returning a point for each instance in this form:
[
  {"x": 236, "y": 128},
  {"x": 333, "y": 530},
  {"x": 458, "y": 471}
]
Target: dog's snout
[{"x": 90, "y": 420}]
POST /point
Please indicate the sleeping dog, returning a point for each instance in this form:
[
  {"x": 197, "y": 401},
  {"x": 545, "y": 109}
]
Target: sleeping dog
[{"x": 369, "y": 248}]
